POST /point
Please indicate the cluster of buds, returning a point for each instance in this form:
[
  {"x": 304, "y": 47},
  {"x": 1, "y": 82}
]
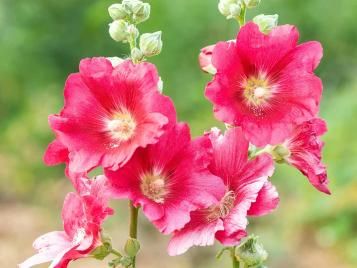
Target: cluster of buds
[
  {"x": 235, "y": 9},
  {"x": 126, "y": 16}
]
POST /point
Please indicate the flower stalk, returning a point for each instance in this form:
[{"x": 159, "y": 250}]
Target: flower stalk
[
  {"x": 133, "y": 225},
  {"x": 235, "y": 262}
]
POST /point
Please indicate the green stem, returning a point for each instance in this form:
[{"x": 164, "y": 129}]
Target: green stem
[
  {"x": 241, "y": 19},
  {"x": 235, "y": 262},
  {"x": 133, "y": 227},
  {"x": 116, "y": 253}
]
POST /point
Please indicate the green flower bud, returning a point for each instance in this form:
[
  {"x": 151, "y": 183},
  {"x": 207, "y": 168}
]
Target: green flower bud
[
  {"x": 151, "y": 44},
  {"x": 118, "y": 12},
  {"x": 266, "y": 23},
  {"x": 251, "y": 3},
  {"x": 132, "y": 247},
  {"x": 138, "y": 10},
  {"x": 224, "y": 6},
  {"x": 118, "y": 30},
  {"x": 235, "y": 10},
  {"x": 141, "y": 12},
  {"x": 251, "y": 252},
  {"x": 137, "y": 55}
]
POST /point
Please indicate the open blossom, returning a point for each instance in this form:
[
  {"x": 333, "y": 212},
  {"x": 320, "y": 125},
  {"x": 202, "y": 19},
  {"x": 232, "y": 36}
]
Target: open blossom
[
  {"x": 246, "y": 191},
  {"x": 265, "y": 83},
  {"x": 169, "y": 179},
  {"x": 109, "y": 112},
  {"x": 82, "y": 218},
  {"x": 303, "y": 151}
]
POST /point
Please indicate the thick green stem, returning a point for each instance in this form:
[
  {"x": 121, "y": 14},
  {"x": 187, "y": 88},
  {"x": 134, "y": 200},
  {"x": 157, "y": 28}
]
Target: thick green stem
[
  {"x": 133, "y": 227},
  {"x": 241, "y": 19},
  {"x": 235, "y": 262}
]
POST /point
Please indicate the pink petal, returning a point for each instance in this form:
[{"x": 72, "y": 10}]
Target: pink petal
[
  {"x": 195, "y": 233},
  {"x": 267, "y": 201},
  {"x": 56, "y": 153}
]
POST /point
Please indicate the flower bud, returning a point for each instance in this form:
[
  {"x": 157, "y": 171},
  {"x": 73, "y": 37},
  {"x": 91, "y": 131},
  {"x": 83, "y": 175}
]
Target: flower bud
[
  {"x": 132, "y": 247},
  {"x": 266, "y": 23},
  {"x": 137, "y": 55},
  {"x": 118, "y": 30},
  {"x": 118, "y": 12},
  {"x": 251, "y": 252},
  {"x": 251, "y": 3},
  {"x": 151, "y": 44},
  {"x": 234, "y": 10},
  {"x": 224, "y": 6},
  {"x": 141, "y": 12}
]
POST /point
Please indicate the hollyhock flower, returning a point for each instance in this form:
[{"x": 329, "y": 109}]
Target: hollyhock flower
[
  {"x": 247, "y": 192},
  {"x": 303, "y": 151},
  {"x": 169, "y": 179},
  {"x": 82, "y": 218},
  {"x": 108, "y": 113},
  {"x": 265, "y": 83}
]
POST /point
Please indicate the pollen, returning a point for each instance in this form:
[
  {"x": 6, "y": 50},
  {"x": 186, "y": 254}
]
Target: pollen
[
  {"x": 122, "y": 126},
  {"x": 257, "y": 90},
  {"x": 153, "y": 186},
  {"x": 224, "y": 207}
]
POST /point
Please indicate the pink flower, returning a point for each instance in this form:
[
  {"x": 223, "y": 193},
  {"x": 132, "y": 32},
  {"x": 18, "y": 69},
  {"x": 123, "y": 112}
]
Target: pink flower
[
  {"x": 169, "y": 179},
  {"x": 108, "y": 113},
  {"x": 247, "y": 191},
  {"x": 205, "y": 60},
  {"x": 82, "y": 218},
  {"x": 304, "y": 152},
  {"x": 266, "y": 83}
]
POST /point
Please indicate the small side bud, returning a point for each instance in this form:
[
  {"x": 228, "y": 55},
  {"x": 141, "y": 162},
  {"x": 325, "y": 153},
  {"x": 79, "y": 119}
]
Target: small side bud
[
  {"x": 251, "y": 252},
  {"x": 251, "y": 3},
  {"x": 118, "y": 30},
  {"x": 151, "y": 44},
  {"x": 118, "y": 12},
  {"x": 231, "y": 9},
  {"x": 137, "y": 55},
  {"x": 266, "y": 23},
  {"x": 132, "y": 247},
  {"x": 234, "y": 11},
  {"x": 141, "y": 12}
]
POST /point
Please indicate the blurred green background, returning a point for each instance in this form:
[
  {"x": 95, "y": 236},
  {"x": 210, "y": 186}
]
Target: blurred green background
[{"x": 42, "y": 41}]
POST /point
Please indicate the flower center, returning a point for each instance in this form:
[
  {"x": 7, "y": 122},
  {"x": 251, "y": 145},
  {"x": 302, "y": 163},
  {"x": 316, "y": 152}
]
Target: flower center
[
  {"x": 223, "y": 209},
  {"x": 257, "y": 90},
  {"x": 153, "y": 187},
  {"x": 122, "y": 126}
]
